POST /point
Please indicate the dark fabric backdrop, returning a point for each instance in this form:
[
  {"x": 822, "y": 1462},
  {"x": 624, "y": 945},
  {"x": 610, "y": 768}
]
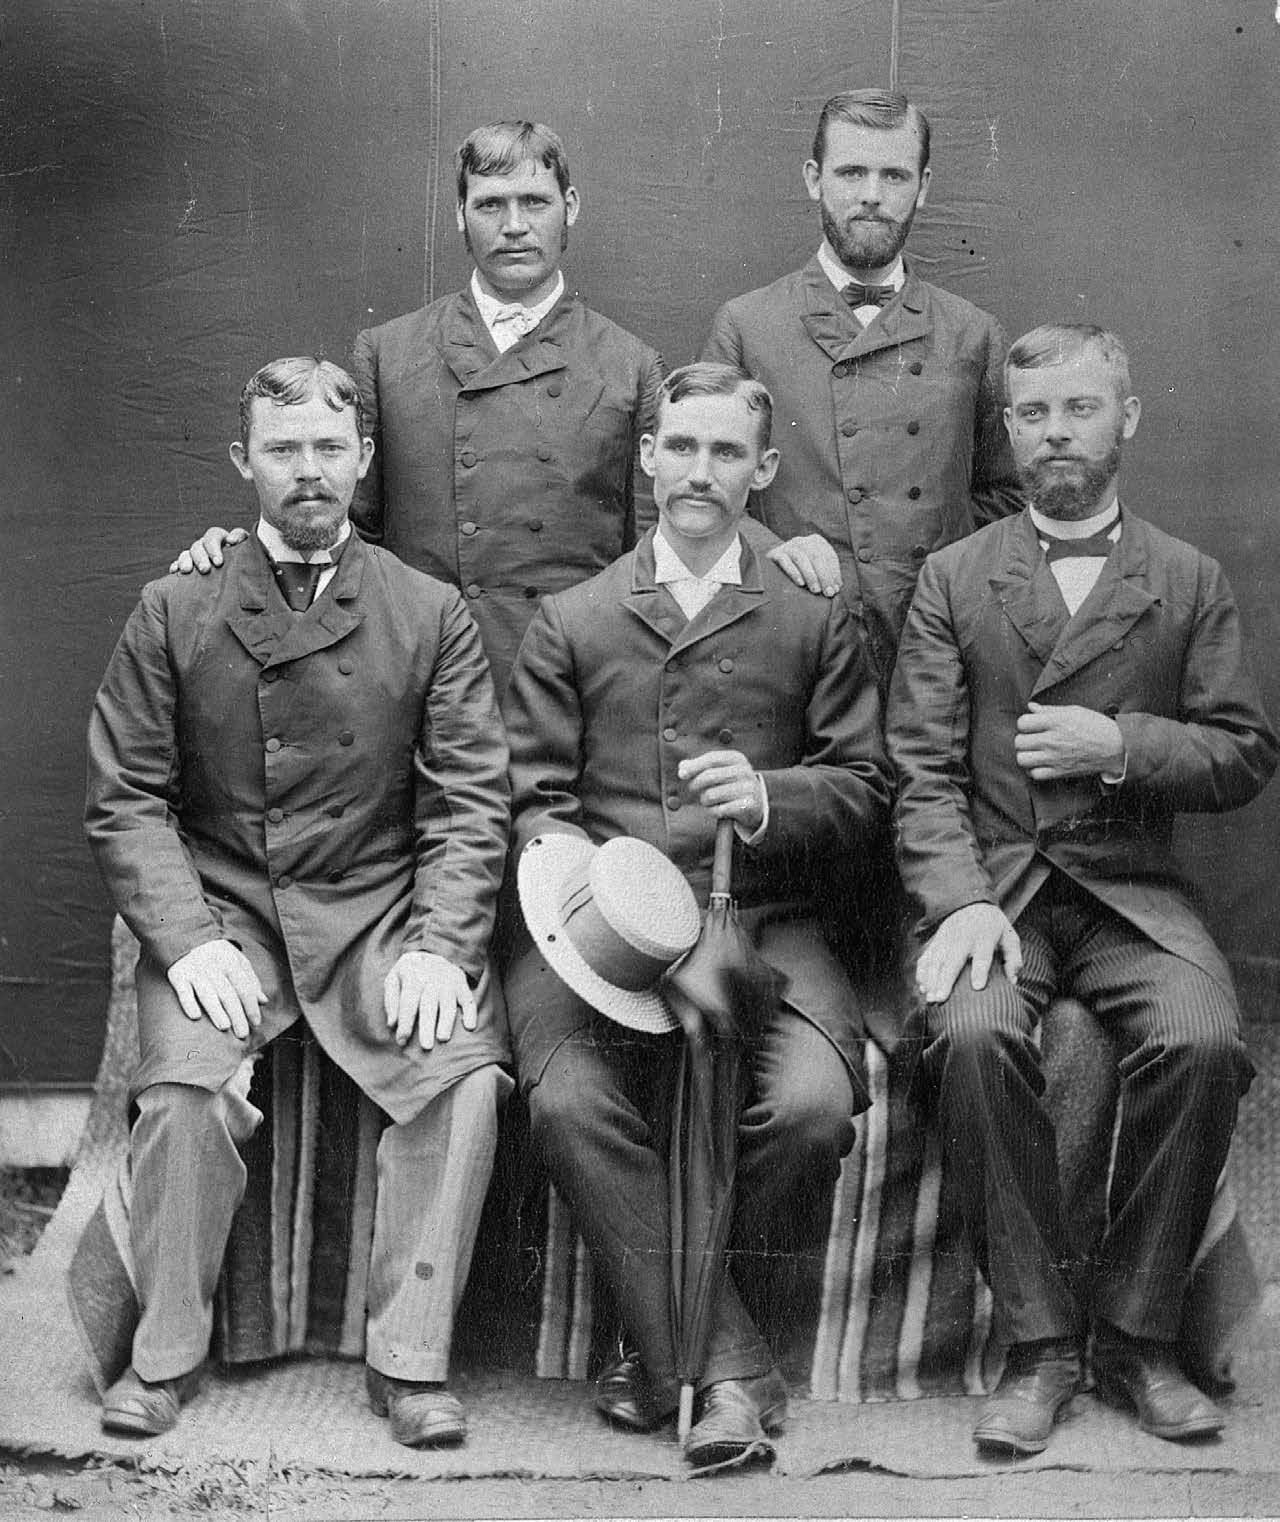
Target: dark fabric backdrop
[{"x": 188, "y": 190}]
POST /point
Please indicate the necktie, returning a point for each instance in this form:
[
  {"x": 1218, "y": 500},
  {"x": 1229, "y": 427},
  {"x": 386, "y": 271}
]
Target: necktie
[
  {"x": 298, "y": 582},
  {"x": 868, "y": 295},
  {"x": 1096, "y": 547},
  {"x": 520, "y": 318}
]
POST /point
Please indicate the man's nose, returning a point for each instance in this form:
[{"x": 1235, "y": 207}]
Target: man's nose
[
  {"x": 1059, "y": 427},
  {"x": 307, "y": 466},
  {"x": 700, "y": 470},
  {"x": 872, "y": 190},
  {"x": 515, "y": 221}
]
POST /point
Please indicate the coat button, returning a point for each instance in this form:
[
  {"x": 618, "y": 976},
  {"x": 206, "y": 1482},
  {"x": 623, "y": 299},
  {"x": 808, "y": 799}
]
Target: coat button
[
  {"x": 275, "y": 815},
  {"x": 848, "y": 429},
  {"x": 841, "y": 369},
  {"x": 673, "y": 801},
  {"x": 336, "y": 810},
  {"x": 270, "y": 676},
  {"x": 335, "y": 876},
  {"x": 467, "y": 528},
  {"x": 726, "y": 665},
  {"x": 284, "y": 881},
  {"x": 916, "y": 367},
  {"x": 864, "y": 556},
  {"x": 554, "y": 389},
  {"x": 1119, "y": 645},
  {"x": 543, "y": 452},
  {"x": 474, "y": 589},
  {"x": 725, "y": 737},
  {"x": 531, "y": 593},
  {"x": 856, "y": 493},
  {"x": 913, "y": 427},
  {"x": 535, "y": 525},
  {"x": 468, "y": 458},
  {"x": 346, "y": 667},
  {"x": 273, "y": 745},
  {"x": 914, "y": 494},
  {"x": 668, "y": 733},
  {"x": 346, "y": 738},
  {"x": 918, "y": 552}
]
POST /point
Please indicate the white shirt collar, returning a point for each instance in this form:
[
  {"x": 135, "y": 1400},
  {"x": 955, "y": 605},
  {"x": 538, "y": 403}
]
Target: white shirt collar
[
  {"x": 668, "y": 567},
  {"x": 279, "y": 551},
  {"x": 840, "y": 277},
  {"x": 490, "y": 306},
  {"x": 1078, "y": 528}
]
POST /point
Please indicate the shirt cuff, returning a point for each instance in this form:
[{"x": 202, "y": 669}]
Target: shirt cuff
[
  {"x": 1114, "y": 779},
  {"x": 758, "y": 834}
]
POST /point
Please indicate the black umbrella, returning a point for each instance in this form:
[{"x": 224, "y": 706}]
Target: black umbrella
[{"x": 722, "y": 993}]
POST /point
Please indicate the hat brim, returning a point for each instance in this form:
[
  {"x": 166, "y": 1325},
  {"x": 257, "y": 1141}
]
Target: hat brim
[{"x": 544, "y": 864}]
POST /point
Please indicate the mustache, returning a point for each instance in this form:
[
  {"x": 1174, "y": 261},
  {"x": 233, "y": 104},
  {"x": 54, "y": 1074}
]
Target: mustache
[{"x": 296, "y": 498}]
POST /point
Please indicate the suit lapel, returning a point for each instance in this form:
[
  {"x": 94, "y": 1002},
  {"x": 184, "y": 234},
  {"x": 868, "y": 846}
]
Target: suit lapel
[
  {"x": 1025, "y": 588},
  {"x": 1118, "y": 600},
  {"x": 468, "y": 349},
  {"x": 833, "y": 327},
  {"x": 270, "y": 632},
  {"x": 655, "y": 606}
]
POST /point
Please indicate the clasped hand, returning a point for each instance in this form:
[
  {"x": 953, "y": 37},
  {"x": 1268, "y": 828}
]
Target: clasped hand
[
  {"x": 727, "y": 785},
  {"x": 1067, "y": 741}
]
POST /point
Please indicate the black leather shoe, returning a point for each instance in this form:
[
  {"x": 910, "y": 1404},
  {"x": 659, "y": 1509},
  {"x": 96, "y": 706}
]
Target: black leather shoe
[
  {"x": 1145, "y": 1375},
  {"x": 736, "y": 1414},
  {"x": 625, "y": 1397},
  {"x": 1039, "y": 1379},
  {"x": 422, "y": 1415},
  {"x": 146, "y": 1408}
]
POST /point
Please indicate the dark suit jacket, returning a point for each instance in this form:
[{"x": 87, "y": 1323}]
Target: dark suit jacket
[
  {"x": 613, "y": 687},
  {"x": 1156, "y": 644},
  {"x": 891, "y": 435},
  {"x": 510, "y": 476},
  {"x": 326, "y": 789}
]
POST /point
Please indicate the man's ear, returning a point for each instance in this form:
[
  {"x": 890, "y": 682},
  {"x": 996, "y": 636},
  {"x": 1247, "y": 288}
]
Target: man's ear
[
  {"x": 572, "y": 206},
  {"x": 1008, "y": 422},
  {"x": 812, "y": 172},
  {"x": 459, "y": 218},
  {"x": 765, "y": 470},
  {"x": 241, "y": 460},
  {"x": 648, "y": 444},
  {"x": 366, "y": 456},
  {"x": 1132, "y": 412}
]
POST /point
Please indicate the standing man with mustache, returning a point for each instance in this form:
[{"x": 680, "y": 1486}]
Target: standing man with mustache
[
  {"x": 887, "y": 388},
  {"x": 507, "y": 416},
  {"x": 1070, "y": 680}
]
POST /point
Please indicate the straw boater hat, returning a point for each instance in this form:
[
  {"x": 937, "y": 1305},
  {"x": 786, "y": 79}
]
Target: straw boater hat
[{"x": 610, "y": 920}]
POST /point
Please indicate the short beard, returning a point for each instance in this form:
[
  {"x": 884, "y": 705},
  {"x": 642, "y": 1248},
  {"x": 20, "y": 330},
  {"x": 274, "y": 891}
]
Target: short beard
[
  {"x": 1071, "y": 500},
  {"x": 306, "y": 538},
  {"x": 876, "y": 244}
]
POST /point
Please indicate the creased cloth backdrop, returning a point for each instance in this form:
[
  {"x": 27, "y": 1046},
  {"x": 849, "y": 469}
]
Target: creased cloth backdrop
[{"x": 190, "y": 189}]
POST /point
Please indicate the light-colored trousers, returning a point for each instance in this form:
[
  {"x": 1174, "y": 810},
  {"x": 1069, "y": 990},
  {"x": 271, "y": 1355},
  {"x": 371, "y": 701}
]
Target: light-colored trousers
[{"x": 188, "y": 1180}]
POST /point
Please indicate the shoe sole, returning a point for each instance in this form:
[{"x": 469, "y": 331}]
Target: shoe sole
[
  {"x": 129, "y": 1425},
  {"x": 1117, "y": 1396},
  {"x": 1024, "y": 1447}
]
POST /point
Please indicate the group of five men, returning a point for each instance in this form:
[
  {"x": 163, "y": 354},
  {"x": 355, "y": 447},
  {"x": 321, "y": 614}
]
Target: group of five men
[{"x": 303, "y": 797}]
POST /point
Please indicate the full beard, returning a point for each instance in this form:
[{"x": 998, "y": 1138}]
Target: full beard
[
  {"x": 1070, "y": 497},
  {"x": 865, "y": 245},
  {"x": 307, "y": 535}
]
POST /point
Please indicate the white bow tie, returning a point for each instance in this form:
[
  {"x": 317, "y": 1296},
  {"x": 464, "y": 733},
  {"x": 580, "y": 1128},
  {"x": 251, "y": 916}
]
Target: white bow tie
[{"x": 520, "y": 318}]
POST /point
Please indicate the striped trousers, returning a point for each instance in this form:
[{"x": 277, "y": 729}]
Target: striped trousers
[
  {"x": 1182, "y": 1067},
  {"x": 188, "y": 1179}
]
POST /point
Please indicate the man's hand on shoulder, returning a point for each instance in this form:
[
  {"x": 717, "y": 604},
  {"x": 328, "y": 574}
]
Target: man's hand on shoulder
[
  {"x": 974, "y": 935},
  {"x": 1067, "y": 741},
  {"x": 428, "y": 991},
  {"x": 811, "y": 562},
  {"x": 217, "y": 982},
  {"x": 727, "y": 785},
  {"x": 206, "y": 552}
]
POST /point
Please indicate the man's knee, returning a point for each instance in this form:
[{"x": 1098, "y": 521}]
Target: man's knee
[
  {"x": 197, "y": 1114},
  {"x": 809, "y": 1113},
  {"x": 975, "y": 1030}
]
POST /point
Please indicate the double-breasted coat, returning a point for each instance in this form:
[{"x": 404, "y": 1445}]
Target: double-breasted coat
[
  {"x": 510, "y": 476},
  {"x": 891, "y": 435},
  {"x": 1156, "y": 644},
  {"x": 614, "y": 687},
  {"x": 326, "y": 789}
]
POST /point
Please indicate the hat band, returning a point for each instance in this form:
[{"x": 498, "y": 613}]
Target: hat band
[{"x": 600, "y": 946}]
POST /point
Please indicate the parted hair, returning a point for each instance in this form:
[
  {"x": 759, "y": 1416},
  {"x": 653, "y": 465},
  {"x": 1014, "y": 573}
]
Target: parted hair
[
  {"x": 709, "y": 378},
  {"x": 885, "y": 109},
  {"x": 501, "y": 147},
  {"x": 1054, "y": 342},
  {"x": 289, "y": 381}
]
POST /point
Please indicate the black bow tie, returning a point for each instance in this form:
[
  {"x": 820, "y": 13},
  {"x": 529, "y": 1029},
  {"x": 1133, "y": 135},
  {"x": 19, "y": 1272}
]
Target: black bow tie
[
  {"x": 1094, "y": 547},
  {"x": 298, "y": 582},
  {"x": 868, "y": 295}
]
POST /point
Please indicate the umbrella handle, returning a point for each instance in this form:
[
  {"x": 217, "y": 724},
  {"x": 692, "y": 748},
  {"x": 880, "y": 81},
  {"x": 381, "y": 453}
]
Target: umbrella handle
[
  {"x": 722, "y": 864},
  {"x": 684, "y": 1420}
]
